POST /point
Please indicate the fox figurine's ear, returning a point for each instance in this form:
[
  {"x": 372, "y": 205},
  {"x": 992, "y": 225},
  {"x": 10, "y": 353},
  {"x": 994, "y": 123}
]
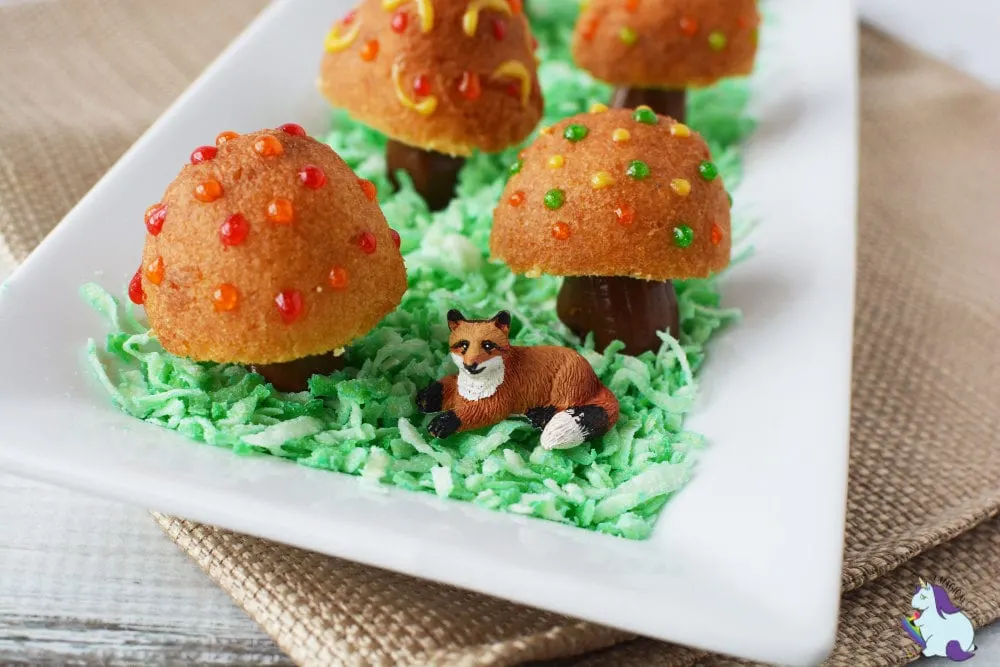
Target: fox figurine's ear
[
  {"x": 455, "y": 317},
  {"x": 502, "y": 320}
]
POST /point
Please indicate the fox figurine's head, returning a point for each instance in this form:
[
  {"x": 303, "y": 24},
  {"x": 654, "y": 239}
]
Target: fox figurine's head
[{"x": 478, "y": 348}]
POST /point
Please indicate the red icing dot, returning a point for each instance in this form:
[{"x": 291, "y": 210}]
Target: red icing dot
[
  {"x": 369, "y": 51},
  {"x": 368, "y": 242},
  {"x": 395, "y": 237},
  {"x": 349, "y": 17},
  {"x": 338, "y": 277},
  {"x": 156, "y": 215},
  {"x": 470, "y": 86},
  {"x": 234, "y": 230},
  {"x": 312, "y": 177},
  {"x": 625, "y": 214},
  {"x": 399, "y": 22},
  {"x": 154, "y": 271},
  {"x": 421, "y": 85},
  {"x": 203, "y": 154},
  {"x": 514, "y": 90},
  {"x": 290, "y": 305},
  {"x": 716, "y": 234},
  {"x": 499, "y": 29},
  {"x": 135, "y": 292},
  {"x": 368, "y": 188},
  {"x": 516, "y": 199},
  {"x": 560, "y": 231},
  {"x": 293, "y": 129},
  {"x": 689, "y": 26}
]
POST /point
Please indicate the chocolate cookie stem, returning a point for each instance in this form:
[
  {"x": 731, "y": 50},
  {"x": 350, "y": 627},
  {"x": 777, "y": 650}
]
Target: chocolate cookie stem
[
  {"x": 625, "y": 309},
  {"x": 671, "y": 103},
  {"x": 294, "y": 375},
  {"x": 434, "y": 174}
]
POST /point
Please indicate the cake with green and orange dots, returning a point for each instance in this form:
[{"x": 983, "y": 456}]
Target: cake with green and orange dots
[
  {"x": 665, "y": 45},
  {"x": 621, "y": 202},
  {"x": 265, "y": 249}
]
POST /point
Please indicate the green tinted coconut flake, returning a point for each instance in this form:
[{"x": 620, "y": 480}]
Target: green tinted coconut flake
[{"x": 362, "y": 420}]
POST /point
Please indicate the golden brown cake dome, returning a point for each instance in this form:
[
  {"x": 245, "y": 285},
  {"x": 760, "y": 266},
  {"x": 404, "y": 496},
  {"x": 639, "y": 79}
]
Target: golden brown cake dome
[
  {"x": 450, "y": 76},
  {"x": 615, "y": 193},
  {"x": 267, "y": 249},
  {"x": 666, "y": 43}
]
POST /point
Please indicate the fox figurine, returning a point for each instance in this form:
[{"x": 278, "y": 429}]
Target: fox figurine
[{"x": 554, "y": 387}]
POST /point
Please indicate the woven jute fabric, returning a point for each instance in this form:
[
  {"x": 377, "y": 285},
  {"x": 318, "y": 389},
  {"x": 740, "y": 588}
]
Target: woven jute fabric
[{"x": 80, "y": 79}]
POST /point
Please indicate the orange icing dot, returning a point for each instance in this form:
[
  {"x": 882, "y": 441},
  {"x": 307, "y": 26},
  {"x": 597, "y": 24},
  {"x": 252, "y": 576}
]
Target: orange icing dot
[
  {"x": 154, "y": 271},
  {"x": 268, "y": 146},
  {"x": 338, "y": 277},
  {"x": 631, "y": 5},
  {"x": 470, "y": 86},
  {"x": 516, "y": 199},
  {"x": 223, "y": 137},
  {"x": 588, "y": 29},
  {"x": 625, "y": 213},
  {"x": 225, "y": 298},
  {"x": 716, "y": 234},
  {"x": 689, "y": 26},
  {"x": 280, "y": 211},
  {"x": 369, "y": 51},
  {"x": 368, "y": 188},
  {"x": 208, "y": 191},
  {"x": 516, "y": 6},
  {"x": 560, "y": 231}
]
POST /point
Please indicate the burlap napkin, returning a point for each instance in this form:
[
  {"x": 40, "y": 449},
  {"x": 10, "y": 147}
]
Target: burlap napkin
[{"x": 81, "y": 79}]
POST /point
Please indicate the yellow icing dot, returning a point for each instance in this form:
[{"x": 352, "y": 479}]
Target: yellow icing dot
[
  {"x": 516, "y": 70},
  {"x": 337, "y": 42},
  {"x": 597, "y": 107},
  {"x": 425, "y": 106},
  {"x": 425, "y": 8},
  {"x": 470, "y": 21},
  {"x": 601, "y": 179},
  {"x": 681, "y": 186},
  {"x": 556, "y": 162},
  {"x": 621, "y": 135},
  {"x": 680, "y": 130}
]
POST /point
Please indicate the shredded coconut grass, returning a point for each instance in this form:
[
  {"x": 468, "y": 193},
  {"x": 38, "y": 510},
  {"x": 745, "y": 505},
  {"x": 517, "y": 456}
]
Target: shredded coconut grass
[{"x": 363, "y": 421}]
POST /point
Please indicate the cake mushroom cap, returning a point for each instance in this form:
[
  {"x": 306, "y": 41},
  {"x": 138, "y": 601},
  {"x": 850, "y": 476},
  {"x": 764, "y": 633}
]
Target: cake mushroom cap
[
  {"x": 269, "y": 250},
  {"x": 666, "y": 43},
  {"x": 445, "y": 75},
  {"x": 605, "y": 194}
]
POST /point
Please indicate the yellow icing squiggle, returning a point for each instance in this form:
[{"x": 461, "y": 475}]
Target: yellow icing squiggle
[
  {"x": 425, "y": 8},
  {"x": 336, "y": 42},
  {"x": 470, "y": 21},
  {"x": 425, "y": 107},
  {"x": 517, "y": 70}
]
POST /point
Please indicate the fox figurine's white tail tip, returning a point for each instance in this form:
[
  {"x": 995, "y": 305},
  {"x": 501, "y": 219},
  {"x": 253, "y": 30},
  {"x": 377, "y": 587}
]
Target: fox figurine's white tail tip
[{"x": 563, "y": 431}]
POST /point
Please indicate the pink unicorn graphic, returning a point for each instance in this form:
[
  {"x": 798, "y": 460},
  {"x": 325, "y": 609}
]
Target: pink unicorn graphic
[{"x": 938, "y": 626}]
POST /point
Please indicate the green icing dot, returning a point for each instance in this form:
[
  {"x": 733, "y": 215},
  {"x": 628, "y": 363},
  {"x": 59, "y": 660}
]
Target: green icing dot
[
  {"x": 683, "y": 236},
  {"x": 717, "y": 40},
  {"x": 638, "y": 170},
  {"x": 708, "y": 170},
  {"x": 554, "y": 199},
  {"x": 628, "y": 36},
  {"x": 647, "y": 116},
  {"x": 516, "y": 167},
  {"x": 576, "y": 132}
]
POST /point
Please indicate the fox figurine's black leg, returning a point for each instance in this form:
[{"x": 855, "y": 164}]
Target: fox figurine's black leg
[
  {"x": 430, "y": 398},
  {"x": 444, "y": 424},
  {"x": 540, "y": 416}
]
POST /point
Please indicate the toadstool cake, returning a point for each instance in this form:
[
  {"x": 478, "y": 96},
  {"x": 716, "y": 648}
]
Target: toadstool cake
[
  {"x": 653, "y": 50},
  {"x": 440, "y": 78},
  {"x": 620, "y": 202},
  {"x": 267, "y": 250}
]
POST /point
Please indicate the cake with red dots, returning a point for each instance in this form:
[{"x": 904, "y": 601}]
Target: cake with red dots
[
  {"x": 266, "y": 249},
  {"x": 665, "y": 45},
  {"x": 448, "y": 77},
  {"x": 621, "y": 202}
]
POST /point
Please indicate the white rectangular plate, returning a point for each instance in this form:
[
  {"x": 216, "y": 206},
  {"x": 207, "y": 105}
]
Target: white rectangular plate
[{"x": 746, "y": 560}]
